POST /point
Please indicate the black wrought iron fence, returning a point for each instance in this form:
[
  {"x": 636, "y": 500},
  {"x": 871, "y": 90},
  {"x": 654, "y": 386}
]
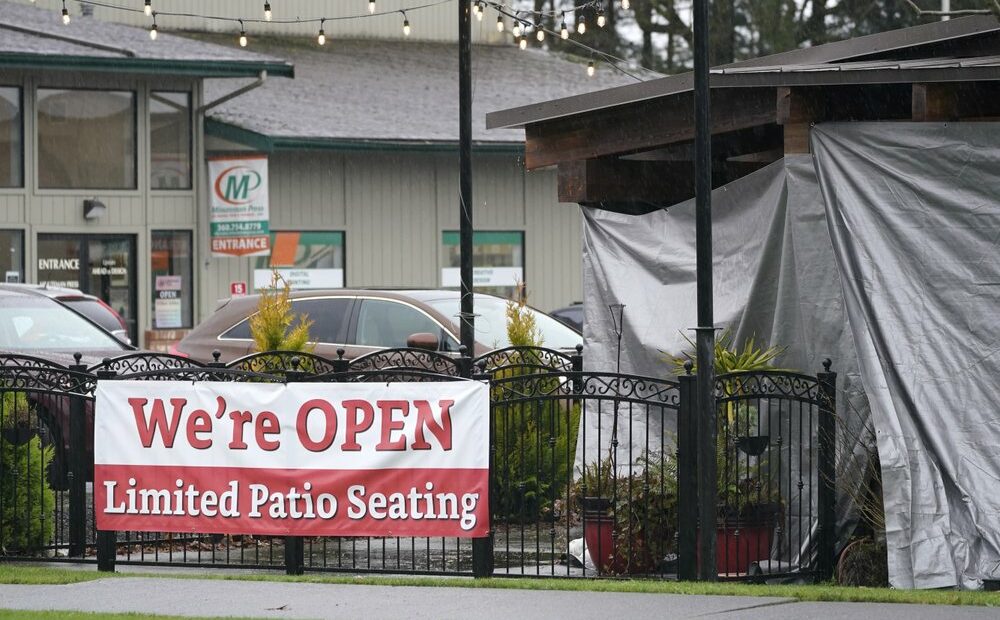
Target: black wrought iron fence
[{"x": 584, "y": 469}]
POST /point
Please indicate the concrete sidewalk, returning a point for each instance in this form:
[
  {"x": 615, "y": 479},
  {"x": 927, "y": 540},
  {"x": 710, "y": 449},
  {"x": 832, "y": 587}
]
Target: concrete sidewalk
[{"x": 259, "y": 599}]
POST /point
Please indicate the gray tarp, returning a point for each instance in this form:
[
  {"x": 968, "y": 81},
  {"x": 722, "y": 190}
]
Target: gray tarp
[
  {"x": 777, "y": 278},
  {"x": 916, "y": 225}
]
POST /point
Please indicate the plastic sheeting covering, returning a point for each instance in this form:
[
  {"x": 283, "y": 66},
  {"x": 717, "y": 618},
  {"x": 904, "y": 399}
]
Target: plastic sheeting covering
[
  {"x": 915, "y": 224},
  {"x": 916, "y": 234}
]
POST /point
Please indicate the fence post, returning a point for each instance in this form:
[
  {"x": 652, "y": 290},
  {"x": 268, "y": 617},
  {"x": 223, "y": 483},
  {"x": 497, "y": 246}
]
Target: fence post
[
  {"x": 687, "y": 478},
  {"x": 827, "y": 497},
  {"x": 107, "y": 550},
  {"x": 482, "y": 548},
  {"x": 340, "y": 365},
  {"x": 77, "y": 468},
  {"x": 294, "y": 545},
  {"x": 576, "y": 360}
]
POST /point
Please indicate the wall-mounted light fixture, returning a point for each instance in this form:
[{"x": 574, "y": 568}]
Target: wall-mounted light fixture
[{"x": 93, "y": 209}]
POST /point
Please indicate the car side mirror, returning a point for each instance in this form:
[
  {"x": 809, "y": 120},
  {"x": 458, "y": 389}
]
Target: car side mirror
[{"x": 423, "y": 340}]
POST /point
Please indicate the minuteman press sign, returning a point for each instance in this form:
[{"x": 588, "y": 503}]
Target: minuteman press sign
[
  {"x": 238, "y": 210},
  {"x": 398, "y": 459}
]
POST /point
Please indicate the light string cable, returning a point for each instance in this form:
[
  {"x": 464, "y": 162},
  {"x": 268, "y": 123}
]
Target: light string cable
[
  {"x": 613, "y": 61},
  {"x": 263, "y": 20}
]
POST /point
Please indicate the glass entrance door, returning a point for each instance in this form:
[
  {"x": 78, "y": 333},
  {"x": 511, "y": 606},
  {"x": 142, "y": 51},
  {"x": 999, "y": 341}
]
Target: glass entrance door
[{"x": 103, "y": 266}]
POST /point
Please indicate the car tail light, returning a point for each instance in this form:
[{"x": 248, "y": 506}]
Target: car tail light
[{"x": 173, "y": 350}]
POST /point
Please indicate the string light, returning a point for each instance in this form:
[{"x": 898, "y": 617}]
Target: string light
[
  {"x": 371, "y": 6},
  {"x": 243, "y": 35},
  {"x": 590, "y": 69},
  {"x": 581, "y": 26},
  {"x": 626, "y": 4},
  {"x": 516, "y": 30},
  {"x": 600, "y": 18},
  {"x": 500, "y": 23},
  {"x": 406, "y": 25},
  {"x": 321, "y": 37},
  {"x": 563, "y": 30},
  {"x": 267, "y": 11},
  {"x": 148, "y": 9},
  {"x": 152, "y": 29},
  {"x": 479, "y": 10},
  {"x": 65, "y": 14},
  {"x": 523, "y": 43},
  {"x": 539, "y": 32}
]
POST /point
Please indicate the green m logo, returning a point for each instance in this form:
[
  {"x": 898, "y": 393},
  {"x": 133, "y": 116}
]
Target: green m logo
[{"x": 236, "y": 185}]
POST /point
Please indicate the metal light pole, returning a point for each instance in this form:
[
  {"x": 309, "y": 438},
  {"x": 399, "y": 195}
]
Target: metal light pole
[{"x": 707, "y": 490}]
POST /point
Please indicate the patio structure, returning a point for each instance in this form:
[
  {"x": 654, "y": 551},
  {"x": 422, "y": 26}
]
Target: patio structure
[{"x": 853, "y": 220}]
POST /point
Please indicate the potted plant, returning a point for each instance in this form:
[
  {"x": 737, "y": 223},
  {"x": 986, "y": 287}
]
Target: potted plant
[
  {"x": 629, "y": 513},
  {"x": 750, "y": 503}
]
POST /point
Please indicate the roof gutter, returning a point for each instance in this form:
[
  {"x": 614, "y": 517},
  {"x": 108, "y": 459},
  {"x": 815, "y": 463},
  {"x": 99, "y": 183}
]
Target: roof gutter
[{"x": 261, "y": 78}]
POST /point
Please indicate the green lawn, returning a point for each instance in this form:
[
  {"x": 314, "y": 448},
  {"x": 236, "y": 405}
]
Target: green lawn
[{"x": 27, "y": 574}]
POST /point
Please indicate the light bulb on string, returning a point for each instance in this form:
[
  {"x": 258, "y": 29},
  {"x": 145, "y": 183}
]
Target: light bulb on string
[
  {"x": 601, "y": 20},
  {"x": 406, "y": 25},
  {"x": 321, "y": 37},
  {"x": 539, "y": 33},
  {"x": 152, "y": 29},
  {"x": 371, "y": 6},
  {"x": 581, "y": 26},
  {"x": 65, "y": 14},
  {"x": 499, "y": 23},
  {"x": 523, "y": 43},
  {"x": 516, "y": 30},
  {"x": 267, "y": 11},
  {"x": 590, "y": 69},
  {"x": 563, "y": 30},
  {"x": 243, "y": 35},
  {"x": 626, "y": 4},
  {"x": 479, "y": 10},
  {"x": 148, "y": 8}
]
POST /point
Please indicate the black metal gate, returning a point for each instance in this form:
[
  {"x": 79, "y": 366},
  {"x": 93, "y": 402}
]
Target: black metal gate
[{"x": 585, "y": 476}]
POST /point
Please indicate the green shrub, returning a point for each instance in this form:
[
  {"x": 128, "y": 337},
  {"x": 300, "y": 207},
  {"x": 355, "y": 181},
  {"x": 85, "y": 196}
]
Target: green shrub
[
  {"x": 275, "y": 327},
  {"x": 27, "y": 503},
  {"x": 535, "y": 438}
]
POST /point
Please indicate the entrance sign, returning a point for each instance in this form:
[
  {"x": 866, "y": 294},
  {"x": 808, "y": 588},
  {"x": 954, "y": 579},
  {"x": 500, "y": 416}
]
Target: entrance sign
[
  {"x": 238, "y": 206},
  {"x": 302, "y": 459}
]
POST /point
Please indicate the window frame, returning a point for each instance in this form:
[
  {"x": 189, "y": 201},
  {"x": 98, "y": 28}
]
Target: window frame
[
  {"x": 343, "y": 245},
  {"x": 345, "y": 329},
  {"x": 22, "y": 150},
  {"x": 352, "y": 333},
  {"x": 149, "y": 140},
  {"x": 131, "y": 89}
]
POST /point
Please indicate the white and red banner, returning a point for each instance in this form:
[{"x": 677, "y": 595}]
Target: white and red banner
[{"x": 303, "y": 459}]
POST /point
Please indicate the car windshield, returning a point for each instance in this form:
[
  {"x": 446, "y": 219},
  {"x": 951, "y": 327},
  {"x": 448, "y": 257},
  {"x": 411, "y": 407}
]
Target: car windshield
[
  {"x": 491, "y": 323},
  {"x": 37, "y": 323}
]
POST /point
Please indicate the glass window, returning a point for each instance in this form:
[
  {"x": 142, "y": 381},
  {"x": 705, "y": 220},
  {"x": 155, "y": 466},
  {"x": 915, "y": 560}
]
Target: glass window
[
  {"x": 170, "y": 140},
  {"x": 240, "y": 331},
  {"x": 39, "y": 323},
  {"x": 389, "y": 324},
  {"x": 11, "y": 128},
  {"x": 12, "y": 255},
  {"x": 86, "y": 139},
  {"x": 497, "y": 261},
  {"x": 306, "y": 260},
  {"x": 491, "y": 323},
  {"x": 329, "y": 317},
  {"x": 171, "y": 271}
]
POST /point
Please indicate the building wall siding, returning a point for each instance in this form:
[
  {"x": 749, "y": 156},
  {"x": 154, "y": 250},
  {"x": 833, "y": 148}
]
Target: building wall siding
[{"x": 393, "y": 208}]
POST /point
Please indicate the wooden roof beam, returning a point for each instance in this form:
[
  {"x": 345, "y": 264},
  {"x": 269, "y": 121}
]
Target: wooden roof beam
[{"x": 642, "y": 126}]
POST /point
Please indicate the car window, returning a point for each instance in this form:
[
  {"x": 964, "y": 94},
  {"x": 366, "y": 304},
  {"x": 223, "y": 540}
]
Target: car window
[
  {"x": 38, "y": 323},
  {"x": 491, "y": 323},
  {"x": 384, "y": 323},
  {"x": 329, "y": 317},
  {"x": 94, "y": 311}
]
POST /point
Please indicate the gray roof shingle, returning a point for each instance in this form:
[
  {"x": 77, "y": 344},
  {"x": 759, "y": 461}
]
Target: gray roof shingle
[
  {"x": 27, "y": 31},
  {"x": 380, "y": 90}
]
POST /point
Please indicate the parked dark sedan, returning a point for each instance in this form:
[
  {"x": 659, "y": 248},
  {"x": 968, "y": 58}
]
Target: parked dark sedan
[{"x": 362, "y": 321}]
